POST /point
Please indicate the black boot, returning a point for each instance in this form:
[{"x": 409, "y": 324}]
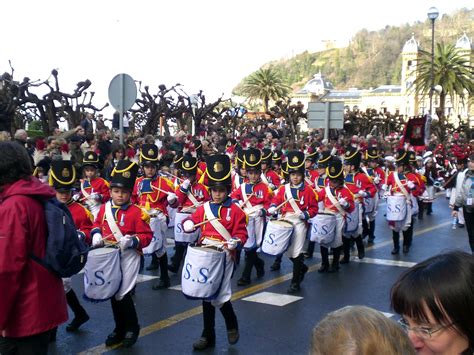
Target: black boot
[
  {"x": 346, "y": 246},
  {"x": 118, "y": 333},
  {"x": 396, "y": 243},
  {"x": 407, "y": 238},
  {"x": 429, "y": 208},
  {"x": 250, "y": 256},
  {"x": 371, "y": 232},
  {"x": 177, "y": 257},
  {"x": 164, "y": 278},
  {"x": 155, "y": 263},
  {"x": 80, "y": 314},
  {"x": 231, "y": 323},
  {"x": 297, "y": 273},
  {"x": 365, "y": 228},
  {"x": 335, "y": 260},
  {"x": 324, "y": 259},
  {"x": 310, "y": 251},
  {"x": 132, "y": 329},
  {"x": 360, "y": 247},
  {"x": 208, "y": 336},
  {"x": 276, "y": 264},
  {"x": 260, "y": 267}
]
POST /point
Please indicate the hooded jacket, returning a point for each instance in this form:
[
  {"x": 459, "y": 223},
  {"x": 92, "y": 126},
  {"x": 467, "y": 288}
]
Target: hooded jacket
[{"x": 32, "y": 298}]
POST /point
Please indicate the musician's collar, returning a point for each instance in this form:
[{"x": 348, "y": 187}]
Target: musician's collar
[
  {"x": 125, "y": 206},
  {"x": 300, "y": 186},
  {"x": 226, "y": 203}
]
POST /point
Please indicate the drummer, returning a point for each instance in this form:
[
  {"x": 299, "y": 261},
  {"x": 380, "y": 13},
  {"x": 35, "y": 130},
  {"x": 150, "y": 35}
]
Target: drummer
[
  {"x": 321, "y": 181},
  {"x": 254, "y": 197},
  {"x": 239, "y": 174},
  {"x": 62, "y": 177},
  {"x": 403, "y": 183},
  {"x": 338, "y": 200},
  {"x": 269, "y": 176},
  {"x": 154, "y": 193},
  {"x": 230, "y": 229},
  {"x": 376, "y": 173},
  {"x": 277, "y": 161},
  {"x": 362, "y": 187},
  {"x": 127, "y": 225},
  {"x": 94, "y": 189},
  {"x": 311, "y": 174},
  {"x": 190, "y": 194},
  {"x": 300, "y": 203}
]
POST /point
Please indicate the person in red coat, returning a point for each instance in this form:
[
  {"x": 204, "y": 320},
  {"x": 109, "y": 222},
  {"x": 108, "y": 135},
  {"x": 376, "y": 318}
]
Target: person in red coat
[
  {"x": 299, "y": 203},
  {"x": 62, "y": 178},
  {"x": 128, "y": 228},
  {"x": 269, "y": 176},
  {"x": 229, "y": 231},
  {"x": 32, "y": 301}
]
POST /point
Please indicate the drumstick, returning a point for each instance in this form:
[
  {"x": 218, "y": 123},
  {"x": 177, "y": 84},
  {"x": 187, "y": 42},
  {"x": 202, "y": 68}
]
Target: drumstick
[
  {"x": 173, "y": 175},
  {"x": 158, "y": 189},
  {"x": 247, "y": 199},
  {"x": 206, "y": 221},
  {"x": 281, "y": 204},
  {"x": 190, "y": 207}
]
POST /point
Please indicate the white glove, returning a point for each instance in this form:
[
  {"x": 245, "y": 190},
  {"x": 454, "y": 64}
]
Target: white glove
[
  {"x": 171, "y": 198},
  {"x": 233, "y": 243},
  {"x": 188, "y": 226},
  {"x": 342, "y": 201},
  {"x": 96, "y": 197},
  {"x": 272, "y": 210},
  {"x": 384, "y": 187},
  {"x": 76, "y": 197},
  {"x": 302, "y": 216},
  {"x": 186, "y": 184},
  {"x": 271, "y": 186},
  {"x": 97, "y": 240},
  {"x": 126, "y": 242},
  {"x": 376, "y": 180},
  {"x": 362, "y": 193},
  {"x": 411, "y": 185}
]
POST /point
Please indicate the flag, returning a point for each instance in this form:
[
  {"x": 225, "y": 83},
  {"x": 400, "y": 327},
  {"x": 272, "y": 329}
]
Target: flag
[{"x": 414, "y": 132}]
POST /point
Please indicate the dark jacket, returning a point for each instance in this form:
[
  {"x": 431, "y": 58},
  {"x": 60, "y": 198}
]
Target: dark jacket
[{"x": 32, "y": 299}]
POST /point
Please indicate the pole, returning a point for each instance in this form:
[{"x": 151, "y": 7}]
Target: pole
[
  {"x": 432, "y": 66},
  {"x": 122, "y": 91},
  {"x": 326, "y": 120}
]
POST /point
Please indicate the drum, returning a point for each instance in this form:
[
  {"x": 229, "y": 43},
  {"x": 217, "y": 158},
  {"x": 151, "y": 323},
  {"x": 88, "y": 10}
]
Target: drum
[
  {"x": 352, "y": 220},
  {"x": 203, "y": 272},
  {"x": 171, "y": 214},
  {"x": 102, "y": 274},
  {"x": 157, "y": 240},
  {"x": 179, "y": 234},
  {"x": 277, "y": 237},
  {"x": 370, "y": 204},
  {"x": 396, "y": 208},
  {"x": 323, "y": 229}
]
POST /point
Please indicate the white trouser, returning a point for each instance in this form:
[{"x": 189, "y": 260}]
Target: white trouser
[
  {"x": 225, "y": 292},
  {"x": 255, "y": 232},
  {"x": 130, "y": 264},
  {"x": 299, "y": 236}
]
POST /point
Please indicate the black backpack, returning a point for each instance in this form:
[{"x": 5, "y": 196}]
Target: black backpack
[{"x": 65, "y": 253}]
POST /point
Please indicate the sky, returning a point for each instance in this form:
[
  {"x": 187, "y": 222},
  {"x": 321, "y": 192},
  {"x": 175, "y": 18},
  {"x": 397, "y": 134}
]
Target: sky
[{"x": 209, "y": 45}]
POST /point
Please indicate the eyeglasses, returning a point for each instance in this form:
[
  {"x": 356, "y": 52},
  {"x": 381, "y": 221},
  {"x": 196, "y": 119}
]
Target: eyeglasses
[{"x": 422, "y": 332}]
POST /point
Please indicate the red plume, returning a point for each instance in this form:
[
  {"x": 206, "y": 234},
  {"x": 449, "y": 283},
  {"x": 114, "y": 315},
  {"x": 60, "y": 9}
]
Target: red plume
[
  {"x": 40, "y": 144},
  {"x": 64, "y": 148}
]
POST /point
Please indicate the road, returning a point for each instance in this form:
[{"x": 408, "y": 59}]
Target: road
[{"x": 270, "y": 321}]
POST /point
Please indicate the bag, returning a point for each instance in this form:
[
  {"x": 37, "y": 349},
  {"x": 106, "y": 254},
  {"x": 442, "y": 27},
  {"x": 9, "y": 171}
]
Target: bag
[{"x": 65, "y": 253}]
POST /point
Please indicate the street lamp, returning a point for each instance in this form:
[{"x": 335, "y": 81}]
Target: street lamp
[{"x": 432, "y": 15}]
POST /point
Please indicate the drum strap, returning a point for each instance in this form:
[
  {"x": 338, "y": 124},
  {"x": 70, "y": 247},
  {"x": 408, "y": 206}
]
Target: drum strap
[
  {"x": 334, "y": 201},
  {"x": 401, "y": 187},
  {"x": 264, "y": 179},
  {"x": 244, "y": 196},
  {"x": 111, "y": 222},
  {"x": 289, "y": 196},
  {"x": 192, "y": 198},
  {"x": 215, "y": 223},
  {"x": 237, "y": 180},
  {"x": 84, "y": 192}
]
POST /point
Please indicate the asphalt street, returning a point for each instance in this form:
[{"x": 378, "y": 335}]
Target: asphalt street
[{"x": 270, "y": 321}]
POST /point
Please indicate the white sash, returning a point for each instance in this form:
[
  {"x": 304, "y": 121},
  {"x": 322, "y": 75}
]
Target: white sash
[
  {"x": 247, "y": 204},
  {"x": 237, "y": 180},
  {"x": 84, "y": 192},
  {"x": 401, "y": 187},
  {"x": 264, "y": 179},
  {"x": 192, "y": 198},
  {"x": 215, "y": 223},
  {"x": 111, "y": 222},
  {"x": 289, "y": 196},
  {"x": 334, "y": 201}
]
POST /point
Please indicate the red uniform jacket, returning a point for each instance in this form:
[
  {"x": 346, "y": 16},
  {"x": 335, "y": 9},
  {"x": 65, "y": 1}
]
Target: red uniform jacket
[
  {"x": 359, "y": 181},
  {"x": 237, "y": 180},
  {"x": 339, "y": 192},
  {"x": 32, "y": 298},
  {"x": 263, "y": 195},
  {"x": 321, "y": 181},
  {"x": 199, "y": 191},
  {"x": 96, "y": 186},
  {"x": 404, "y": 178},
  {"x": 305, "y": 197},
  {"x": 131, "y": 220},
  {"x": 147, "y": 197},
  {"x": 231, "y": 217},
  {"x": 82, "y": 219},
  {"x": 377, "y": 172},
  {"x": 311, "y": 175},
  {"x": 272, "y": 178}
]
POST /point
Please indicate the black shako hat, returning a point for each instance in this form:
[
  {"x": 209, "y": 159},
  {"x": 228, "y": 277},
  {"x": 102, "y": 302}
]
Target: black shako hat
[
  {"x": 352, "y": 156},
  {"x": 62, "y": 175},
  {"x": 219, "y": 170},
  {"x": 252, "y": 159},
  {"x": 402, "y": 158},
  {"x": 334, "y": 170},
  {"x": 372, "y": 154},
  {"x": 90, "y": 159},
  {"x": 149, "y": 154},
  {"x": 295, "y": 160},
  {"x": 324, "y": 159},
  {"x": 124, "y": 174},
  {"x": 267, "y": 156},
  {"x": 189, "y": 165}
]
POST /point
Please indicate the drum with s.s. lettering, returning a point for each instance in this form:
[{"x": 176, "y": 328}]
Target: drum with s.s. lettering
[
  {"x": 158, "y": 235},
  {"x": 277, "y": 237},
  {"x": 203, "y": 272},
  {"x": 102, "y": 274},
  {"x": 323, "y": 229},
  {"x": 396, "y": 208},
  {"x": 179, "y": 234},
  {"x": 352, "y": 220}
]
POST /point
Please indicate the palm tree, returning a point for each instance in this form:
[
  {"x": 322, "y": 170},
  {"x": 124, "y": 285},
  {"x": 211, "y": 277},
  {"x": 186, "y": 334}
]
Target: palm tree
[
  {"x": 265, "y": 84},
  {"x": 451, "y": 70}
]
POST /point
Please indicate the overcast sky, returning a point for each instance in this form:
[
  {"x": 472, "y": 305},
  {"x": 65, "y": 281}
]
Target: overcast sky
[{"x": 209, "y": 45}]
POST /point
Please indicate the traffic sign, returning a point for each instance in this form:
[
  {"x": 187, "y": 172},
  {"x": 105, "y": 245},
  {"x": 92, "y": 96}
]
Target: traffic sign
[
  {"x": 327, "y": 115},
  {"x": 122, "y": 92}
]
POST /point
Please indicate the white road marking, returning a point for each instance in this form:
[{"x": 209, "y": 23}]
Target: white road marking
[
  {"x": 385, "y": 262},
  {"x": 271, "y": 298},
  {"x": 145, "y": 278},
  {"x": 176, "y": 288}
]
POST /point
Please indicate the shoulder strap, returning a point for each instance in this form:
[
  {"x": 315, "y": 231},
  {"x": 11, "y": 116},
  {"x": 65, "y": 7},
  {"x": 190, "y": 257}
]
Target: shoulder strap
[
  {"x": 215, "y": 223},
  {"x": 334, "y": 201},
  {"x": 244, "y": 196},
  {"x": 292, "y": 202},
  {"x": 111, "y": 221},
  {"x": 84, "y": 192},
  {"x": 192, "y": 198},
  {"x": 401, "y": 187},
  {"x": 264, "y": 178}
]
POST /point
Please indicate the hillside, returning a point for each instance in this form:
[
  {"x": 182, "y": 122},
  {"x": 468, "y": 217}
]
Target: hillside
[{"x": 372, "y": 58}]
